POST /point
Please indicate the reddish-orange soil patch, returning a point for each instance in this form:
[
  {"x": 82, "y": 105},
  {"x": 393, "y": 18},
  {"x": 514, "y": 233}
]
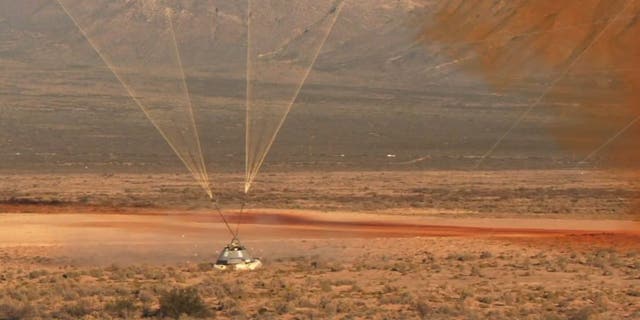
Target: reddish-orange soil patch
[{"x": 273, "y": 224}]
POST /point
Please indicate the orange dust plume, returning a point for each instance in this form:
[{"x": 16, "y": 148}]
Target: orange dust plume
[{"x": 585, "y": 54}]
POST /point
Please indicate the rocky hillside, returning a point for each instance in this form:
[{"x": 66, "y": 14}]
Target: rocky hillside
[
  {"x": 371, "y": 35},
  {"x": 429, "y": 83}
]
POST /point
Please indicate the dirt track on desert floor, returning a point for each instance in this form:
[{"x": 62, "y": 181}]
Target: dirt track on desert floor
[{"x": 156, "y": 235}]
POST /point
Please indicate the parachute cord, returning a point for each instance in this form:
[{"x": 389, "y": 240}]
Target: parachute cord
[
  {"x": 244, "y": 203},
  {"x": 224, "y": 219}
]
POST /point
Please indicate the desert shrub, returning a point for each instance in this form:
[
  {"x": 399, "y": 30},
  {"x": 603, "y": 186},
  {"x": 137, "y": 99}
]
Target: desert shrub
[
  {"x": 16, "y": 311},
  {"x": 304, "y": 303},
  {"x": 67, "y": 291},
  {"x": 179, "y": 277},
  {"x": 327, "y": 305},
  {"x": 463, "y": 256},
  {"x": 282, "y": 307},
  {"x": 486, "y": 255},
  {"x": 121, "y": 308},
  {"x": 236, "y": 313},
  {"x": 551, "y": 316},
  {"x": 583, "y": 314},
  {"x": 325, "y": 285},
  {"x": 179, "y": 302},
  {"x": 601, "y": 258},
  {"x": 402, "y": 267},
  {"x": 561, "y": 264},
  {"x": 205, "y": 266},
  {"x": 148, "y": 311},
  {"x": 423, "y": 309},
  {"x": 290, "y": 293},
  {"x": 146, "y": 296},
  {"x": 447, "y": 310},
  {"x": 228, "y": 304},
  {"x": 234, "y": 290},
  {"x": 633, "y": 292},
  {"x": 396, "y": 298},
  {"x": 345, "y": 306},
  {"x": 344, "y": 282},
  {"x": 77, "y": 310},
  {"x": 335, "y": 267},
  {"x": 37, "y": 274},
  {"x": 73, "y": 275},
  {"x": 153, "y": 274},
  {"x": 118, "y": 275},
  {"x": 96, "y": 273},
  {"x": 18, "y": 294},
  {"x": 475, "y": 271},
  {"x": 389, "y": 288},
  {"x": 485, "y": 299},
  {"x": 466, "y": 293}
]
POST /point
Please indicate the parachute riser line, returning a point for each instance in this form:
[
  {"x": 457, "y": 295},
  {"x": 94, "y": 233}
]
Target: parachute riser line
[
  {"x": 206, "y": 183},
  {"x": 242, "y": 206},
  {"x": 200, "y": 176},
  {"x": 252, "y": 169},
  {"x": 224, "y": 219}
]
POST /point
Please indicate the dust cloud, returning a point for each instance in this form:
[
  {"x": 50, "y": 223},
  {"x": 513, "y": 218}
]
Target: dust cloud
[{"x": 584, "y": 54}]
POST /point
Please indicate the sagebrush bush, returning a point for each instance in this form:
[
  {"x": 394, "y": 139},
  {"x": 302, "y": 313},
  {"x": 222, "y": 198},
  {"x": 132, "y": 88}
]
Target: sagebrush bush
[
  {"x": 179, "y": 302},
  {"x": 121, "y": 308},
  {"x": 77, "y": 310},
  {"x": 16, "y": 310},
  {"x": 423, "y": 309}
]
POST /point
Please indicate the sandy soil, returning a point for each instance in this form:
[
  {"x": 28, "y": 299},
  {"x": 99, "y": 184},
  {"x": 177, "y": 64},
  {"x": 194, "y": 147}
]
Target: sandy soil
[
  {"x": 168, "y": 226},
  {"x": 530, "y": 244},
  {"x": 80, "y": 264}
]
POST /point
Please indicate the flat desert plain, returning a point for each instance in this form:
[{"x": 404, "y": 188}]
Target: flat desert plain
[{"x": 351, "y": 245}]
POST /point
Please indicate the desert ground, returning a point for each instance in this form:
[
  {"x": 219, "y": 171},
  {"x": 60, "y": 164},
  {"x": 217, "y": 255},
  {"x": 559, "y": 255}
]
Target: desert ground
[{"x": 142, "y": 246}]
